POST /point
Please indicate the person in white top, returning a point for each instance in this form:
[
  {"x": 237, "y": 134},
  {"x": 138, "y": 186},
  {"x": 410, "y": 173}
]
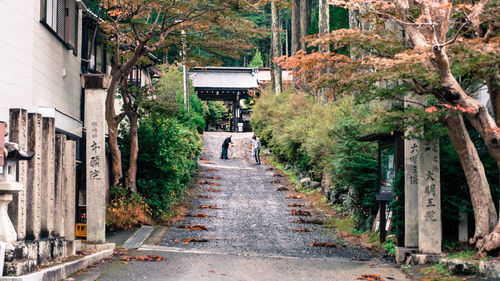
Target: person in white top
[{"x": 256, "y": 149}]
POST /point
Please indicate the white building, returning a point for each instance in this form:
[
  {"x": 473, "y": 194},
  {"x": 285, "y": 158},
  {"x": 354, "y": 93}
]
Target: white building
[{"x": 40, "y": 58}]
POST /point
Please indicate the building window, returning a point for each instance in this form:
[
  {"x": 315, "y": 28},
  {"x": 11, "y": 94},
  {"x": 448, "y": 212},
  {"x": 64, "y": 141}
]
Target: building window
[{"x": 61, "y": 17}]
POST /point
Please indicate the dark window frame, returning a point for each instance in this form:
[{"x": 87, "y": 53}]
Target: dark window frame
[{"x": 63, "y": 33}]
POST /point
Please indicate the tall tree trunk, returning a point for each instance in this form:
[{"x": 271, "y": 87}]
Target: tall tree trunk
[
  {"x": 304, "y": 21},
  {"x": 484, "y": 210},
  {"x": 131, "y": 179},
  {"x": 324, "y": 22},
  {"x": 324, "y": 28},
  {"x": 287, "y": 51},
  {"x": 271, "y": 64},
  {"x": 276, "y": 46},
  {"x": 295, "y": 27},
  {"x": 113, "y": 121}
]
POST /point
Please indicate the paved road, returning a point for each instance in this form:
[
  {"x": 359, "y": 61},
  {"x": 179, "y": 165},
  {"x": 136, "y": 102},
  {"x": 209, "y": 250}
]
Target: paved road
[{"x": 250, "y": 237}]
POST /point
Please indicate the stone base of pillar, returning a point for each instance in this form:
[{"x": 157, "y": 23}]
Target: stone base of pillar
[
  {"x": 24, "y": 257},
  {"x": 403, "y": 253},
  {"x": 425, "y": 258}
]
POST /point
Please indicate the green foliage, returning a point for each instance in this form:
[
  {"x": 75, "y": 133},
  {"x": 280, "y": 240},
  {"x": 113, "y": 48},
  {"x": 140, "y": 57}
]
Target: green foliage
[
  {"x": 339, "y": 18},
  {"x": 390, "y": 247},
  {"x": 170, "y": 90},
  {"x": 314, "y": 137},
  {"x": 214, "y": 111},
  {"x": 256, "y": 60},
  {"x": 167, "y": 159}
]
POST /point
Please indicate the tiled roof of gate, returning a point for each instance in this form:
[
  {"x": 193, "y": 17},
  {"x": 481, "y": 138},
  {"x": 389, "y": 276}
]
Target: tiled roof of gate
[{"x": 224, "y": 77}]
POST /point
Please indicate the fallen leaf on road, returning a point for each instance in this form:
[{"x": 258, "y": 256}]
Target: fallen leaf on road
[
  {"x": 282, "y": 189},
  {"x": 323, "y": 244},
  {"x": 294, "y": 197},
  {"x": 193, "y": 227},
  {"x": 276, "y": 181},
  {"x": 372, "y": 277},
  {"x": 295, "y": 205},
  {"x": 120, "y": 252},
  {"x": 207, "y": 162},
  {"x": 213, "y": 190},
  {"x": 302, "y": 229},
  {"x": 212, "y": 271},
  {"x": 204, "y": 197},
  {"x": 195, "y": 240},
  {"x": 126, "y": 259},
  {"x": 212, "y": 170},
  {"x": 201, "y": 215},
  {"x": 208, "y": 183},
  {"x": 300, "y": 213},
  {"x": 209, "y": 207},
  {"x": 203, "y": 159},
  {"x": 314, "y": 221},
  {"x": 177, "y": 240}
]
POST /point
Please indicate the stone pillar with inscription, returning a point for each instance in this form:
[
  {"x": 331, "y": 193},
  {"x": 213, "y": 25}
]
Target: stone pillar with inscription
[
  {"x": 412, "y": 159},
  {"x": 429, "y": 199},
  {"x": 18, "y": 133},
  {"x": 33, "y": 187},
  {"x": 95, "y": 86}
]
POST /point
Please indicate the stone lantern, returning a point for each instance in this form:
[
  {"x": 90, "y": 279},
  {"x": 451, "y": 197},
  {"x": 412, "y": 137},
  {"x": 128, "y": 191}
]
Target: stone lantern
[{"x": 9, "y": 185}]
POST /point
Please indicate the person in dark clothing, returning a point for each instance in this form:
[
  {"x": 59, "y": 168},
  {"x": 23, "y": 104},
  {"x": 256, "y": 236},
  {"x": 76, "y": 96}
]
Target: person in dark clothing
[{"x": 225, "y": 146}]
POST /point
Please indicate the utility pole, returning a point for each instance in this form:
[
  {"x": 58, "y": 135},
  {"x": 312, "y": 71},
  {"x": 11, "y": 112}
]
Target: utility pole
[{"x": 187, "y": 102}]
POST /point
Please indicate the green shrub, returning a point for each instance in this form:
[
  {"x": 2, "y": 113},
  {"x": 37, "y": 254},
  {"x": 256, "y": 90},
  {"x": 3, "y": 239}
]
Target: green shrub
[
  {"x": 168, "y": 151},
  {"x": 390, "y": 247}
]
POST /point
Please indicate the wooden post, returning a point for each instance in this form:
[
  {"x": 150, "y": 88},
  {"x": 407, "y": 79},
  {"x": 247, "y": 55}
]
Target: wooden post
[{"x": 382, "y": 224}]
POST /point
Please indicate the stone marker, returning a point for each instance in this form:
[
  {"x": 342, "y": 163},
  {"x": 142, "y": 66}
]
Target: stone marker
[
  {"x": 95, "y": 124},
  {"x": 33, "y": 187},
  {"x": 69, "y": 192},
  {"x": 412, "y": 160},
  {"x": 60, "y": 141},
  {"x": 429, "y": 199},
  {"x": 48, "y": 176},
  {"x": 18, "y": 133}
]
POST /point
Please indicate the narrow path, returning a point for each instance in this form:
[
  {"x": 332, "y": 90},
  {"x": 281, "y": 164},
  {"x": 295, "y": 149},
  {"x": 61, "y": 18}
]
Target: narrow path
[{"x": 249, "y": 235}]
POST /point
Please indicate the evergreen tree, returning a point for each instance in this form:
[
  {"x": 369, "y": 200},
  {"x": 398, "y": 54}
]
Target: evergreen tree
[{"x": 256, "y": 60}]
